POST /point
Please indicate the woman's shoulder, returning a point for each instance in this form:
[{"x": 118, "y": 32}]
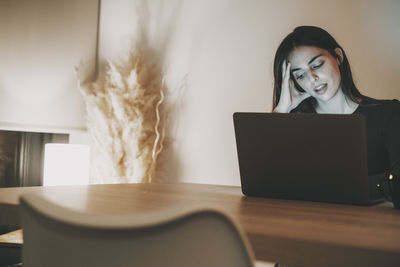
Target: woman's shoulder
[
  {"x": 379, "y": 110},
  {"x": 384, "y": 104}
]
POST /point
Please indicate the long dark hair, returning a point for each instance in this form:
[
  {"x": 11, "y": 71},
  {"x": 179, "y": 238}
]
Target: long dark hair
[{"x": 317, "y": 37}]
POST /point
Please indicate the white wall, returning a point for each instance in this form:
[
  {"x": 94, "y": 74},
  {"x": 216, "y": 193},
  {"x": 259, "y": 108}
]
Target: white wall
[
  {"x": 41, "y": 42},
  {"x": 227, "y": 47}
]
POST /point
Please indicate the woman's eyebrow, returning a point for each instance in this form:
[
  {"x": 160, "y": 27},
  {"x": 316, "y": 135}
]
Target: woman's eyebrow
[{"x": 309, "y": 62}]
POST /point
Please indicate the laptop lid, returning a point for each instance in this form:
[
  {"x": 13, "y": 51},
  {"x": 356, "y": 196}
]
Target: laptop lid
[{"x": 316, "y": 157}]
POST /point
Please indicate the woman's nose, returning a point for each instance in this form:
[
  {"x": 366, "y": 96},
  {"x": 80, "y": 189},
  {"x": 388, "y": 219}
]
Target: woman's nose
[{"x": 314, "y": 76}]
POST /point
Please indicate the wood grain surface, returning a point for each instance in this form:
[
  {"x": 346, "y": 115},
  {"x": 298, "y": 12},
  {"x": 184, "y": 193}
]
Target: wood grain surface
[{"x": 291, "y": 232}]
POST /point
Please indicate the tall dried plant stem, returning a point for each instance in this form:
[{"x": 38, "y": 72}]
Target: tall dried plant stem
[
  {"x": 125, "y": 118},
  {"x": 159, "y": 136}
]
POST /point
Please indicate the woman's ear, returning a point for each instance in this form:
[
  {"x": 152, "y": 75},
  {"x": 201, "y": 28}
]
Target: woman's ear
[{"x": 339, "y": 53}]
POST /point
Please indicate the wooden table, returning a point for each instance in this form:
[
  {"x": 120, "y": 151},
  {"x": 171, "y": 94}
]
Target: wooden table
[{"x": 292, "y": 232}]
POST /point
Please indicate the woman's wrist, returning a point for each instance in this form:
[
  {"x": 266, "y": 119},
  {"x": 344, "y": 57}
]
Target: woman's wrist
[{"x": 281, "y": 109}]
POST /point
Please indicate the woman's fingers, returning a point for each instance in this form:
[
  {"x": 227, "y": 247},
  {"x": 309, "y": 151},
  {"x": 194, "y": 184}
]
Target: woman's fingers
[
  {"x": 285, "y": 75},
  {"x": 283, "y": 69},
  {"x": 290, "y": 97}
]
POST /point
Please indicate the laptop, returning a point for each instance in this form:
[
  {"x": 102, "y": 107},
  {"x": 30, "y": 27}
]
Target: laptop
[{"x": 312, "y": 157}]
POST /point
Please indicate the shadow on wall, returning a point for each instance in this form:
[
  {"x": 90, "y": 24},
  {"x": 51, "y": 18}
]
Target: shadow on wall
[{"x": 168, "y": 166}]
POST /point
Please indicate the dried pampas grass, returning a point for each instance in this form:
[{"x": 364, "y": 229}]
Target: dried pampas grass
[
  {"x": 126, "y": 119},
  {"x": 126, "y": 107}
]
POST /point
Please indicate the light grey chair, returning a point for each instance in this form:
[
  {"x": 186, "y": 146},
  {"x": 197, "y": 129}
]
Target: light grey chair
[{"x": 180, "y": 236}]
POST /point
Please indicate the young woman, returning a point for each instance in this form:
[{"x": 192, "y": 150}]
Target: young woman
[{"x": 312, "y": 75}]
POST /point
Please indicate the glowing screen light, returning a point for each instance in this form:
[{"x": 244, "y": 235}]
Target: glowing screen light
[{"x": 66, "y": 164}]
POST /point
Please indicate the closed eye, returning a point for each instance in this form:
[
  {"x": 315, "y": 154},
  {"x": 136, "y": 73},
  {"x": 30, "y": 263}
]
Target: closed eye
[
  {"x": 318, "y": 66},
  {"x": 301, "y": 76}
]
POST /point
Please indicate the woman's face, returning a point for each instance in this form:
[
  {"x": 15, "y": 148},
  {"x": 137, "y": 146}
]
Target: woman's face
[{"x": 316, "y": 71}]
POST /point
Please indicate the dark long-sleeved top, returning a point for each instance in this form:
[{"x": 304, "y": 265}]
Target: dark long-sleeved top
[{"x": 383, "y": 135}]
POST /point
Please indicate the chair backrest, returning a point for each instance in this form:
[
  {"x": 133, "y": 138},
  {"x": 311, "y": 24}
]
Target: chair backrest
[{"x": 180, "y": 236}]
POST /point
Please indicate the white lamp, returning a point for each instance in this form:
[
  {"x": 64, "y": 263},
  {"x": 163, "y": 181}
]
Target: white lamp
[{"x": 66, "y": 164}]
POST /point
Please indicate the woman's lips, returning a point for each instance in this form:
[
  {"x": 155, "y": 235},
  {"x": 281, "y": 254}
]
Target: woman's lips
[{"x": 321, "y": 89}]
